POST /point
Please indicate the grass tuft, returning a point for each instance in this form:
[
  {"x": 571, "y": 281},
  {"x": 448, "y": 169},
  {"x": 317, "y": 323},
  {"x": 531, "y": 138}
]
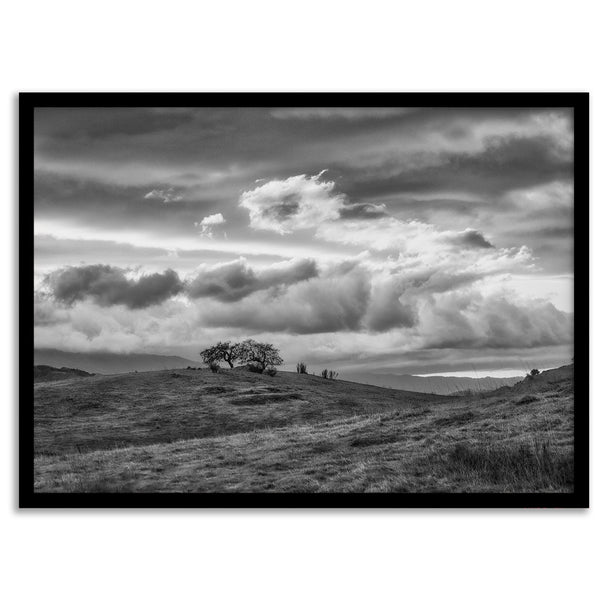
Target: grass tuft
[{"x": 524, "y": 464}]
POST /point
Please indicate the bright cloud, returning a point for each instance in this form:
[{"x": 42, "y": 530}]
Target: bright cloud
[
  {"x": 168, "y": 195},
  {"x": 291, "y": 204},
  {"x": 208, "y": 223}
]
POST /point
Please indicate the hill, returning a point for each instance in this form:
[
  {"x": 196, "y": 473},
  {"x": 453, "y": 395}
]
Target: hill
[
  {"x": 109, "y": 362},
  {"x": 163, "y": 406},
  {"x": 190, "y": 430},
  {"x": 46, "y": 373}
]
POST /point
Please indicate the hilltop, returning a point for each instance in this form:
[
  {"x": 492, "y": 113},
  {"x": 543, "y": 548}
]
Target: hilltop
[
  {"x": 112, "y": 363},
  {"x": 193, "y": 430}
]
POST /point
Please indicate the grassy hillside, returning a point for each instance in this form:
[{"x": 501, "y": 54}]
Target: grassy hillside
[
  {"x": 239, "y": 431},
  {"x": 137, "y": 409}
]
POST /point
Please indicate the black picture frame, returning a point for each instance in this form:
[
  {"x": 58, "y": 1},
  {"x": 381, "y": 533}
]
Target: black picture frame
[{"x": 28, "y": 102}]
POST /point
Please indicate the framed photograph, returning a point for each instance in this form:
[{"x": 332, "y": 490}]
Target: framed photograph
[{"x": 304, "y": 300}]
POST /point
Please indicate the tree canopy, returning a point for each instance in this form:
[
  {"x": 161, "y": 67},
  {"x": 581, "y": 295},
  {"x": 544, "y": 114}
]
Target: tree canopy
[
  {"x": 222, "y": 351},
  {"x": 261, "y": 354}
]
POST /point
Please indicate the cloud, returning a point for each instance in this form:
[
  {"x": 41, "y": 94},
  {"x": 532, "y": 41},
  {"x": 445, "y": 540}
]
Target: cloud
[
  {"x": 471, "y": 319},
  {"x": 230, "y": 282},
  {"x": 209, "y": 222},
  {"x": 287, "y": 205},
  {"x": 303, "y": 202},
  {"x": 471, "y": 238},
  {"x": 503, "y": 164},
  {"x": 363, "y": 210},
  {"x": 344, "y": 113},
  {"x": 108, "y": 285},
  {"x": 168, "y": 195},
  {"x": 386, "y": 310},
  {"x": 332, "y": 303},
  {"x": 99, "y": 123}
]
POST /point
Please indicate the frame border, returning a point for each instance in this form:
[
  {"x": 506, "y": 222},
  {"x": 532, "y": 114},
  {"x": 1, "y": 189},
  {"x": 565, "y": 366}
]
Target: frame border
[{"x": 578, "y": 101}]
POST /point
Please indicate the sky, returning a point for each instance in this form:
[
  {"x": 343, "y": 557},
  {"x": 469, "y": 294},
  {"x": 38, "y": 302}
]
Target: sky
[{"x": 366, "y": 240}]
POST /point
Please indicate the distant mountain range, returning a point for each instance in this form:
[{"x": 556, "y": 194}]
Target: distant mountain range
[
  {"x": 436, "y": 384},
  {"x": 48, "y": 373},
  {"x": 107, "y": 362}
]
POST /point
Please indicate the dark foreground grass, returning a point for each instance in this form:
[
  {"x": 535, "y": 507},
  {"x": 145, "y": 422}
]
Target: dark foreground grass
[
  {"x": 300, "y": 434},
  {"x": 522, "y": 465},
  {"x": 400, "y": 451}
]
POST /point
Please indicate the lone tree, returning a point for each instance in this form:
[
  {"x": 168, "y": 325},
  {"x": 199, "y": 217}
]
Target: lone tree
[
  {"x": 223, "y": 351},
  {"x": 259, "y": 354}
]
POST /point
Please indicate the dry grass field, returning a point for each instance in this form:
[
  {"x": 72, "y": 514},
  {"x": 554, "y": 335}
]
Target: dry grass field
[{"x": 236, "y": 431}]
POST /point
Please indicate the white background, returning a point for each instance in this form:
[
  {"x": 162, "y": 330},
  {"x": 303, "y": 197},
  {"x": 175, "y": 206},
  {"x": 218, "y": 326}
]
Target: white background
[{"x": 304, "y": 46}]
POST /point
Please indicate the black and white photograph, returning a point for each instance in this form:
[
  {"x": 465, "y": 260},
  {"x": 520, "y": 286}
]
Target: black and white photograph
[{"x": 304, "y": 299}]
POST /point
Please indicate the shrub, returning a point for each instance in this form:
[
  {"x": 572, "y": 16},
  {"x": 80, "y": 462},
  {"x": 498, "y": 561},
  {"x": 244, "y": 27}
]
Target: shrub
[
  {"x": 301, "y": 368},
  {"x": 272, "y": 371},
  {"x": 214, "y": 367},
  {"x": 255, "y": 368},
  {"x": 328, "y": 374}
]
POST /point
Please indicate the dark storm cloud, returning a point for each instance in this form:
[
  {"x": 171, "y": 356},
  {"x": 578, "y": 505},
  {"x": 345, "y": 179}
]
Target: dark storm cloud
[
  {"x": 472, "y": 239},
  {"x": 468, "y": 321},
  {"x": 108, "y": 285},
  {"x": 363, "y": 211},
  {"x": 236, "y": 280},
  {"x": 386, "y": 311},
  {"x": 222, "y": 137},
  {"x": 506, "y": 163},
  {"x": 99, "y": 123},
  {"x": 336, "y": 302}
]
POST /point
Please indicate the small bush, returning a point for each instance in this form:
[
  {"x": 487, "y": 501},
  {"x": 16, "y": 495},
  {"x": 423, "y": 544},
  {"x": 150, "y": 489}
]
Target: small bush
[
  {"x": 326, "y": 374},
  {"x": 255, "y": 368},
  {"x": 271, "y": 371},
  {"x": 214, "y": 367},
  {"x": 301, "y": 368}
]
